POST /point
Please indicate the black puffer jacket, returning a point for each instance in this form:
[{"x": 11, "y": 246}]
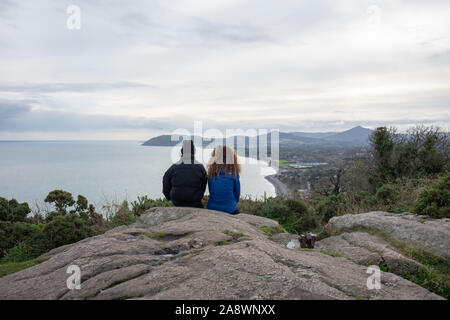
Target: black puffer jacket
[{"x": 184, "y": 184}]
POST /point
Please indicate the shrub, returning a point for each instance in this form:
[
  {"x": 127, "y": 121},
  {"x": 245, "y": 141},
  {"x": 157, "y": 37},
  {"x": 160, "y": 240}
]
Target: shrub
[
  {"x": 297, "y": 206},
  {"x": 123, "y": 216},
  {"x": 387, "y": 194},
  {"x": 434, "y": 200},
  {"x": 292, "y": 214},
  {"x": 62, "y": 230},
  {"x": 143, "y": 204},
  {"x": 13, "y": 211},
  {"x": 328, "y": 207},
  {"x": 19, "y": 253},
  {"x": 308, "y": 222},
  {"x": 12, "y": 233},
  {"x": 369, "y": 201},
  {"x": 422, "y": 151}
]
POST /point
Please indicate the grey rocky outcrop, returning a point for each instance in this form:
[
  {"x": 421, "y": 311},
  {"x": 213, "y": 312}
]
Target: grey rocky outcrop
[
  {"x": 431, "y": 235},
  {"x": 367, "y": 249},
  {"x": 187, "y": 253}
]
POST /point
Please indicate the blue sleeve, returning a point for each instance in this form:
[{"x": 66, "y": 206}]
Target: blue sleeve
[{"x": 237, "y": 188}]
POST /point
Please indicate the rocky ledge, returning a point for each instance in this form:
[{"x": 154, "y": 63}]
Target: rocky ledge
[
  {"x": 187, "y": 253},
  {"x": 432, "y": 235}
]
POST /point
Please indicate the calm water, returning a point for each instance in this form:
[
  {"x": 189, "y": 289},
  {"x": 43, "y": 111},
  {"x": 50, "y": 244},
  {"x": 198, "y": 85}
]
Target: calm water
[{"x": 100, "y": 170}]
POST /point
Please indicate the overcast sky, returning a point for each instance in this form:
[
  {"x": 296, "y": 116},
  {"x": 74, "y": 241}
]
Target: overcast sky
[{"x": 140, "y": 68}]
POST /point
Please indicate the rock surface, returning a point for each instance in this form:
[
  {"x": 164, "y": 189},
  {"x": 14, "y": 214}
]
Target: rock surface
[
  {"x": 430, "y": 234},
  {"x": 187, "y": 253},
  {"x": 367, "y": 249}
]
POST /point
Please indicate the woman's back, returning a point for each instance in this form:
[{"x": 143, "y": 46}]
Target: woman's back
[
  {"x": 223, "y": 180},
  {"x": 224, "y": 192}
]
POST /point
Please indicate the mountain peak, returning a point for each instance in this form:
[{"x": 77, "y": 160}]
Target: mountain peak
[{"x": 358, "y": 133}]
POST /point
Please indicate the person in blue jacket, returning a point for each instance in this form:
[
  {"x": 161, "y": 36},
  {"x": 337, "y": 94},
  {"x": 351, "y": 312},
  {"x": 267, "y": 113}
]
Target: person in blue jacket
[{"x": 223, "y": 180}]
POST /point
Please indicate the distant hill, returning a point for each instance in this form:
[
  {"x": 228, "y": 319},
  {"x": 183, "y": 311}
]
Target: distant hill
[
  {"x": 355, "y": 136},
  {"x": 166, "y": 141},
  {"x": 312, "y": 134}
]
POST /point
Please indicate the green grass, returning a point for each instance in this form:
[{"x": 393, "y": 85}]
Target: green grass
[
  {"x": 155, "y": 235},
  {"x": 222, "y": 243},
  {"x": 270, "y": 231},
  {"x": 12, "y": 267},
  {"x": 234, "y": 235},
  {"x": 284, "y": 164}
]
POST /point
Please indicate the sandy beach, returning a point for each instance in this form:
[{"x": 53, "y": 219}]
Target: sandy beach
[{"x": 280, "y": 188}]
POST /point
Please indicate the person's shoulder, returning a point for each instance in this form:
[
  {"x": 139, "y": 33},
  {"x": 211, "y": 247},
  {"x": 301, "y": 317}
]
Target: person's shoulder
[{"x": 199, "y": 165}]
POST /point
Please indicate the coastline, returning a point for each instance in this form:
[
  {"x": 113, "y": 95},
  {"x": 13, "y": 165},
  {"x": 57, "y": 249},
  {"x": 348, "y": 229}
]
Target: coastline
[{"x": 280, "y": 188}]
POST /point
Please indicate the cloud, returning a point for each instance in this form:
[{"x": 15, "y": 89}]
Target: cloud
[
  {"x": 68, "y": 87},
  {"x": 19, "y": 117},
  {"x": 296, "y": 65},
  {"x": 12, "y": 109}
]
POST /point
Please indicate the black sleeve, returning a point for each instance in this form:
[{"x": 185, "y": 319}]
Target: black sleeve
[
  {"x": 205, "y": 179},
  {"x": 167, "y": 184}
]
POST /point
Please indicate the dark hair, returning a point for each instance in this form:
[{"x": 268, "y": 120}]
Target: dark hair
[{"x": 192, "y": 146}]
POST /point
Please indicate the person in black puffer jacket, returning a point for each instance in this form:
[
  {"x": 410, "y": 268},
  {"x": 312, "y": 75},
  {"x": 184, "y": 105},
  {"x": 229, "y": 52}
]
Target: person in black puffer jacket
[{"x": 184, "y": 183}]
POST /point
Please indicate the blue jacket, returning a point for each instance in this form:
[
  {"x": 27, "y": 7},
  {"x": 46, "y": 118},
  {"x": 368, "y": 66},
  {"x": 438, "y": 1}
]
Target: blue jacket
[{"x": 224, "y": 192}]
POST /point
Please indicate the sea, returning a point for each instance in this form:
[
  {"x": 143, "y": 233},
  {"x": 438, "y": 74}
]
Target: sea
[{"x": 105, "y": 172}]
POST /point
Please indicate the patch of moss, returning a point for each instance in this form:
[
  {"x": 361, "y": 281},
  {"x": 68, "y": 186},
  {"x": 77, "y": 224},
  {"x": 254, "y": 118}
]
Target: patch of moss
[
  {"x": 155, "y": 235},
  {"x": 222, "y": 243},
  {"x": 270, "y": 231},
  {"x": 234, "y": 235},
  {"x": 332, "y": 254},
  {"x": 12, "y": 267}
]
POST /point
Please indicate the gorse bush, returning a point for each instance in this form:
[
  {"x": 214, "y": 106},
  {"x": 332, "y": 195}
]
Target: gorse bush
[
  {"x": 144, "y": 203},
  {"x": 434, "y": 200},
  {"x": 328, "y": 207},
  {"x": 292, "y": 214},
  {"x": 12, "y": 233},
  {"x": 66, "y": 229},
  {"x": 20, "y": 252},
  {"x": 123, "y": 216},
  {"x": 13, "y": 211},
  {"x": 387, "y": 193},
  {"x": 21, "y": 238}
]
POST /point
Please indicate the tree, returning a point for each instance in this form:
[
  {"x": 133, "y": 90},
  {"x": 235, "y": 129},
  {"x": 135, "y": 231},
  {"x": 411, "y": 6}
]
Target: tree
[
  {"x": 420, "y": 151},
  {"x": 434, "y": 200},
  {"x": 61, "y": 199},
  {"x": 66, "y": 229},
  {"x": 82, "y": 204},
  {"x": 336, "y": 181},
  {"x": 13, "y": 211},
  {"x": 381, "y": 149}
]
